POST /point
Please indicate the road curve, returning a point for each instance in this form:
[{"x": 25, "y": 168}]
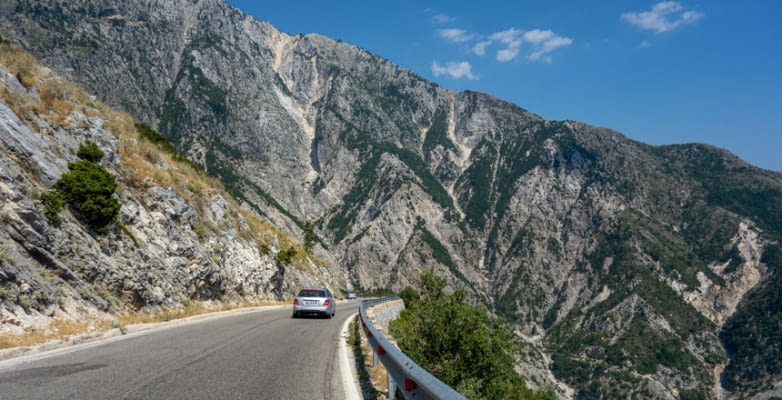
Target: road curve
[{"x": 263, "y": 354}]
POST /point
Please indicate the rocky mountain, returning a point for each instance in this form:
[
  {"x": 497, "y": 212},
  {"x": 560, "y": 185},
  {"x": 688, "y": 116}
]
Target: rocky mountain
[
  {"x": 179, "y": 238},
  {"x": 632, "y": 270}
]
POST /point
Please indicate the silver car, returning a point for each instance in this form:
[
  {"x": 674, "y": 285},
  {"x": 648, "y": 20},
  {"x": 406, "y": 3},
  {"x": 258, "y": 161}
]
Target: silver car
[{"x": 318, "y": 301}]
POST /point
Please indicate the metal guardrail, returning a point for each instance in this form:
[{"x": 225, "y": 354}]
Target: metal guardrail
[{"x": 411, "y": 379}]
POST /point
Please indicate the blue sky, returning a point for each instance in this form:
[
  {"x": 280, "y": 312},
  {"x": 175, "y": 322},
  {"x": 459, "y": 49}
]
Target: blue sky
[{"x": 660, "y": 72}]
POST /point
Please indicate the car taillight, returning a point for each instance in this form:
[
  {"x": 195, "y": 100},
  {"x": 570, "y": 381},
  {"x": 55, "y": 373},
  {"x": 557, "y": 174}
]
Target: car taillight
[
  {"x": 326, "y": 302},
  {"x": 295, "y": 302}
]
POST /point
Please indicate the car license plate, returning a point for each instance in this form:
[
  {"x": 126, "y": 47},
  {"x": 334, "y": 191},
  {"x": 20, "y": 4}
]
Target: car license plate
[{"x": 310, "y": 302}]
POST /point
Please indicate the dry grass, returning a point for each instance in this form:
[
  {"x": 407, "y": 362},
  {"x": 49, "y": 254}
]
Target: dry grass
[
  {"x": 64, "y": 329},
  {"x": 57, "y": 102},
  {"x": 190, "y": 309},
  {"x": 21, "y": 63},
  {"x": 139, "y": 172},
  {"x": 58, "y": 330},
  {"x": 120, "y": 124},
  {"x": 372, "y": 379},
  {"x": 57, "y": 99},
  {"x": 377, "y": 374}
]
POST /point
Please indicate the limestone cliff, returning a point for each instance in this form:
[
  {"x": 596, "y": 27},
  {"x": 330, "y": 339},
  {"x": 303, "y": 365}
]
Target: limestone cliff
[
  {"x": 632, "y": 269},
  {"x": 179, "y": 236}
]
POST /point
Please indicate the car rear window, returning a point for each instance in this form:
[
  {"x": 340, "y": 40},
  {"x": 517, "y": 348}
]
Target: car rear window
[{"x": 312, "y": 293}]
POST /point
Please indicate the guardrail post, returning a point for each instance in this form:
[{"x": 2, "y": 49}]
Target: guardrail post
[{"x": 391, "y": 386}]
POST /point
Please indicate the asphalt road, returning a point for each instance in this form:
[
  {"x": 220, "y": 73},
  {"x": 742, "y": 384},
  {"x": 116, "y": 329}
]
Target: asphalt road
[{"x": 262, "y": 354}]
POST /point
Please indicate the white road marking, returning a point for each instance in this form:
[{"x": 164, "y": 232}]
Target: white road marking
[{"x": 349, "y": 380}]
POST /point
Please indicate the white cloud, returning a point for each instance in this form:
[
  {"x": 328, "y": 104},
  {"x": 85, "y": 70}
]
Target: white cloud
[
  {"x": 663, "y": 17},
  {"x": 512, "y": 39},
  {"x": 438, "y": 17},
  {"x": 541, "y": 42},
  {"x": 645, "y": 44},
  {"x": 455, "y": 35},
  {"x": 512, "y": 35},
  {"x": 456, "y": 70},
  {"x": 544, "y": 42},
  {"x": 480, "y": 47},
  {"x": 507, "y": 54},
  {"x": 442, "y": 18},
  {"x": 538, "y": 36}
]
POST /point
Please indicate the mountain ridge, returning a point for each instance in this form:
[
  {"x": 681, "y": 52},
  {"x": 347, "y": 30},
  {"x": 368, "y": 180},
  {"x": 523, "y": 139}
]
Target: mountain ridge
[{"x": 557, "y": 225}]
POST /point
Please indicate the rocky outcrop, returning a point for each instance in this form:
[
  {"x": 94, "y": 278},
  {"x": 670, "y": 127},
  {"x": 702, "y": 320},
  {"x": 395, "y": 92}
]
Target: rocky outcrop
[{"x": 170, "y": 245}]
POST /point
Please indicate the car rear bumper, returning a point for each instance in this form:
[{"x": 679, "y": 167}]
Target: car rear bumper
[{"x": 312, "y": 310}]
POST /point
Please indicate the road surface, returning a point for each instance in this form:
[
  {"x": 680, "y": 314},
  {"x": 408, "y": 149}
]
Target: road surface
[{"x": 262, "y": 354}]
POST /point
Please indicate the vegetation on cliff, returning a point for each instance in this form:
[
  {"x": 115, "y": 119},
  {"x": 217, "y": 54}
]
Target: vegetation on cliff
[
  {"x": 89, "y": 188},
  {"x": 459, "y": 343}
]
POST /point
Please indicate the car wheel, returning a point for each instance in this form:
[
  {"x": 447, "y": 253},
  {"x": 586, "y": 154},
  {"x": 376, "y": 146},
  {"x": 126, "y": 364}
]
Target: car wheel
[{"x": 295, "y": 315}]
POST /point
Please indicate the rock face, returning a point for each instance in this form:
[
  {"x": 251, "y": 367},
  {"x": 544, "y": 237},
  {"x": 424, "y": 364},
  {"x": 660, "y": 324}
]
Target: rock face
[
  {"x": 639, "y": 270},
  {"x": 178, "y": 242}
]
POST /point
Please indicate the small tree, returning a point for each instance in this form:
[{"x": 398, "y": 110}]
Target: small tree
[
  {"x": 285, "y": 256},
  {"x": 309, "y": 235},
  {"x": 88, "y": 188}
]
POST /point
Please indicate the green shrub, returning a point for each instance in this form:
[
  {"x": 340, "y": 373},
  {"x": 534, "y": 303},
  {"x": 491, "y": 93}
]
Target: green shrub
[
  {"x": 693, "y": 394},
  {"x": 153, "y": 136},
  {"x": 89, "y": 151},
  {"x": 52, "y": 205},
  {"x": 309, "y": 235},
  {"x": 119, "y": 325},
  {"x": 460, "y": 344},
  {"x": 285, "y": 256},
  {"x": 88, "y": 188},
  {"x": 5, "y": 294},
  {"x": 26, "y": 302}
]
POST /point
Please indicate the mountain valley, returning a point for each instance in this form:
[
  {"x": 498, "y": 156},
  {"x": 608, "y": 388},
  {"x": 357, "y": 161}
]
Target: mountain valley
[{"x": 633, "y": 271}]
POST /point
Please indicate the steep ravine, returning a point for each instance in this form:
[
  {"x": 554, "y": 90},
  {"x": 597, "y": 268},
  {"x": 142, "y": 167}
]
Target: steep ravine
[{"x": 642, "y": 269}]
